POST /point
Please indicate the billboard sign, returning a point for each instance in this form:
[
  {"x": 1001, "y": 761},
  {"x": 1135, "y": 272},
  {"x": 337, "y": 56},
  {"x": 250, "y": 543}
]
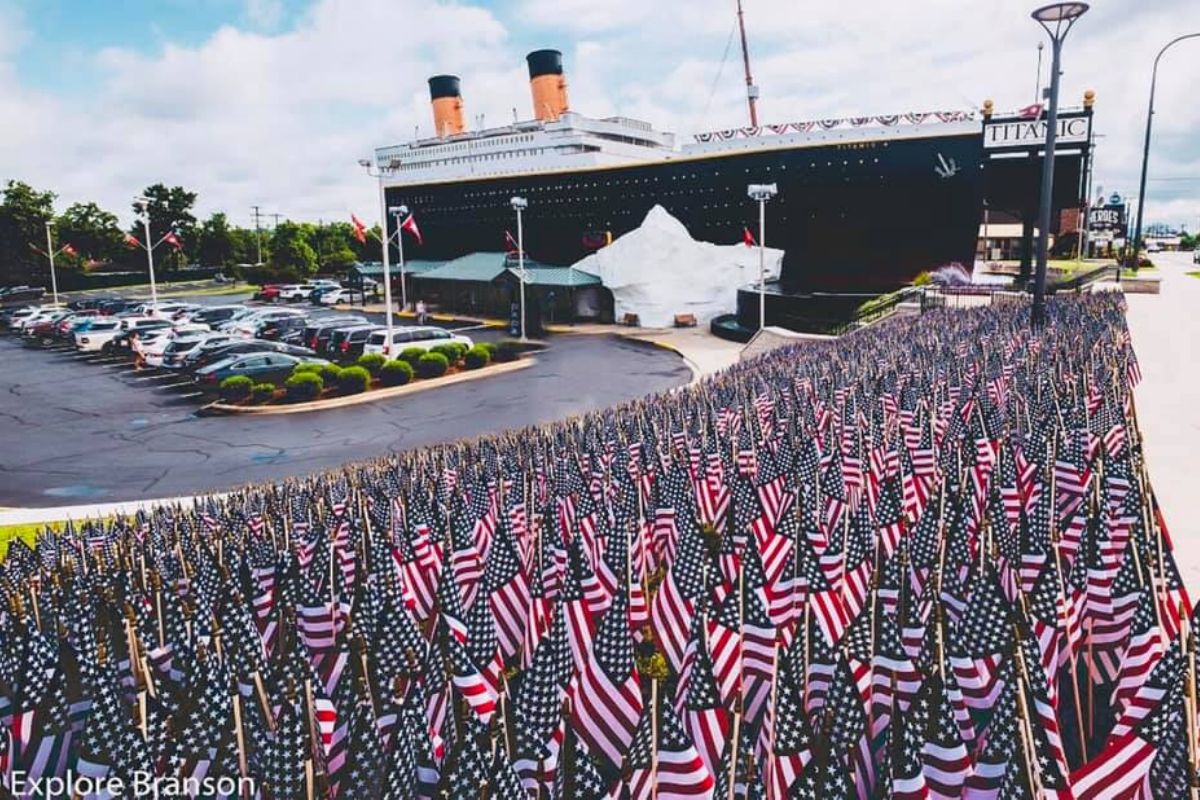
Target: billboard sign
[
  {"x": 1109, "y": 218},
  {"x": 1020, "y": 134}
]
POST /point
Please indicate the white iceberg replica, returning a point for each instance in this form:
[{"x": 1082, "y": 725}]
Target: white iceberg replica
[{"x": 658, "y": 270}]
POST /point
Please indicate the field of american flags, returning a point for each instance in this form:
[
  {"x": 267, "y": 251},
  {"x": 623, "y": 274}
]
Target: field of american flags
[{"x": 923, "y": 561}]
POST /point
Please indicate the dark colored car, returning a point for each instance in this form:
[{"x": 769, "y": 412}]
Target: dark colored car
[
  {"x": 114, "y": 306},
  {"x": 210, "y": 355},
  {"x": 119, "y": 344},
  {"x": 346, "y": 344},
  {"x": 216, "y": 315},
  {"x": 259, "y": 367},
  {"x": 21, "y": 294},
  {"x": 317, "y": 332},
  {"x": 277, "y": 329},
  {"x": 43, "y": 333}
]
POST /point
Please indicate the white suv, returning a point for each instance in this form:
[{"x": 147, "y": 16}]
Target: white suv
[{"x": 424, "y": 337}]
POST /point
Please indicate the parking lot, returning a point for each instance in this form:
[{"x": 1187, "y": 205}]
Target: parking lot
[{"x": 81, "y": 426}]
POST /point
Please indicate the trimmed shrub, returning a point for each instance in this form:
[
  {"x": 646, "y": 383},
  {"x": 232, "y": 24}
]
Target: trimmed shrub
[
  {"x": 329, "y": 373},
  {"x": 235, "y": 388},
  {"x": 508, "y": 350},
  {"x": 412, "y": 355},
  {"x": 307, "y": 366},
  {"x": 450, "y": 350},
  {"x": 304, "y": 386},
  {"x": 262, "y": 392},
  {"x": 478, "y": 357},
  {"x": 371, "y": 362},
  {"x": 432, "y": 365},
  {"x": 395, "y": 373},
  {"x": 354, "y": 380}
]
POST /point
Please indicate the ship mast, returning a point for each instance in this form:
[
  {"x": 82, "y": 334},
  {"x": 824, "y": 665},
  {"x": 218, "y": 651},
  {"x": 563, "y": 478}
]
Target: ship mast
[{"x": 751, "y": 89}]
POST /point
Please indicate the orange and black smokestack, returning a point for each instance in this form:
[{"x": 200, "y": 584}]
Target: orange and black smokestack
[
  {"x": 547, "y": 83},
  {"x": 445, "y": 94}
]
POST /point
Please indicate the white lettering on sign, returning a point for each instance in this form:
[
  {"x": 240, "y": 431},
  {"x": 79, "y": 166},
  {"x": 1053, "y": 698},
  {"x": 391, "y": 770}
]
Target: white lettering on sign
[{"x": 1029, "y": 133}]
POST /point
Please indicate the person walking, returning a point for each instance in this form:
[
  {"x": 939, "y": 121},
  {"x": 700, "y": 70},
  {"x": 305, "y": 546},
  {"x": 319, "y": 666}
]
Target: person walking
[
  {"x": 421, "y": 315},
  {"x": 139, "y": 355}
]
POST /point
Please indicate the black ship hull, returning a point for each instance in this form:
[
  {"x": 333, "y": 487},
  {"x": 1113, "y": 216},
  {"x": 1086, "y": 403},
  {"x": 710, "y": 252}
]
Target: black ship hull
[{"x": 855, "y": 217}]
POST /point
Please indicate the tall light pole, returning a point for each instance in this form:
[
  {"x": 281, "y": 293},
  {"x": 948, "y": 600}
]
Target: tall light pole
[
  {"x": 399, "y": 212},
  {"x": 51, "y": 254},
  {"x": 380, "y": 173},
  {"x": 1057, "y": 20},
  {"x": 762, "y": 192},
  {"x": 145, "y": 203},
  {"x": 519, "y": 204},
  {"x": 1137, "y": 235}
]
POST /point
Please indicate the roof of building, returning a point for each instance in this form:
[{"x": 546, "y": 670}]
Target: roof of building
[
  {"x": 483, "y": 267},
  {"x": 374, "y": 269},
  {"x": 564, "y": 277}
]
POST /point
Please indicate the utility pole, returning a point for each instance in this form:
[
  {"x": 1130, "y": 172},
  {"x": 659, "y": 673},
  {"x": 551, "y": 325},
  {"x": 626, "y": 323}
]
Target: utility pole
[
  {"x": 276, "y": 218},
  {"x": 258, "y": 215}
]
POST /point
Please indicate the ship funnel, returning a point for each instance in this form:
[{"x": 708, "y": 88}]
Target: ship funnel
[
  {"x": 547, "y": 83},
  {"x": 445, "y": 94}
]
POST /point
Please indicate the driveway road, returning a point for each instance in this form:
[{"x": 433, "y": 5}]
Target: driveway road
[{"x": 72, "y": 431}]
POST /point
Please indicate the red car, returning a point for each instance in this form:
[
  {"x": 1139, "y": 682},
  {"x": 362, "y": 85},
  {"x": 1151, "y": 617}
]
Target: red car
[{"x": 269, "y": 293}]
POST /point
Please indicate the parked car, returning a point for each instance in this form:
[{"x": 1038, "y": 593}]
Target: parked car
[
  {"x": 215, "y": 315},
  {"x": 259, "y": 367},
  {"x": 422, "y": 336},
  {"x": 211, "y": 352},
  {"x": 278, "y": 327},
  {"x": 248, "y": 325},
  {"x": 343, "y": 296},
  {"x": 269, "y": 293},
  {"x": 156, "y": 343},
  {"x": 116, "y": 305},
  {"x": 42, "y": 331},
  {"x": 177, "y": 352},
  {"x": 346, "y": 344},
  {"x": 120, "y": 344},
  {"x": 94, "y": 336},
  {"x": 21, "y": 321},
  {"x": 295, "y": 292},
  {"x": 22, "y": 294},
  {"x": 318, "y": 330}
]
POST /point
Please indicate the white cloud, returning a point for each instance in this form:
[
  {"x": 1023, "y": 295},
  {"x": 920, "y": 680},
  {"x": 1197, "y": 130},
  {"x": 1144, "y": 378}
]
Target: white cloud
[{"x": 279, "y": 118}]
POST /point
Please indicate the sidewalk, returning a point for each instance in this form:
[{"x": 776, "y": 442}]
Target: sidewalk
[{"x": 1166, "y": 337}]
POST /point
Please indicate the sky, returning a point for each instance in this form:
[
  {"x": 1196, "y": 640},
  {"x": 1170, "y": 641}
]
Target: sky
[{"x": 273, "y": 102}]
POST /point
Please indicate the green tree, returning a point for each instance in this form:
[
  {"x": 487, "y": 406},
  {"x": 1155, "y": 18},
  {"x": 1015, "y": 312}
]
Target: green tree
[
  {"x": 170, "y": 210},
  {"x": 290, "y": 249},
  {"x": 24, "y": 212},
  {"x": 217, "y": 246},
  {"x": 93, "y": 232}
]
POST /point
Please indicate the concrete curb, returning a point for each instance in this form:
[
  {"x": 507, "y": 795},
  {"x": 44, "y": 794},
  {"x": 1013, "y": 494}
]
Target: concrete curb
[
  {"x": 691, "y": 365},
  {"x": 370, "y": 397}
]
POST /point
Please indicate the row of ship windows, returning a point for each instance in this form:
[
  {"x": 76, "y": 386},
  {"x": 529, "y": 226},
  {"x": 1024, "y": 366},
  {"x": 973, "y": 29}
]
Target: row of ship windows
[
  {"x": 504, "y": 193},
  {"x": 474, "y": 158}
]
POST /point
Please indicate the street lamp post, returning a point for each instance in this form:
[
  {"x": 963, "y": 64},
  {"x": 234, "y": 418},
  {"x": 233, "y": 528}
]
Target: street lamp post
[
  {"x": 399, "y": 212},
  {"x": 380, "y": 173},
  {"x": 519, "y": 204},
  {"x": 1137, "y": 235},
  {"x": 145, "y": 201},
  {"x": 1057, "y": 20},
  {"x": 762, "y": 192},
  {"x": 50, "y": 253}
]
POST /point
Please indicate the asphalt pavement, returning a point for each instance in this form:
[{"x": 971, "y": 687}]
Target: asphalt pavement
[{"x": 73, "y": 430}]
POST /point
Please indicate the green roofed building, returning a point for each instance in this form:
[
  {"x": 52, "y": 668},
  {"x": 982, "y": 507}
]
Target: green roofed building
[{"x": 487, "y": 284}]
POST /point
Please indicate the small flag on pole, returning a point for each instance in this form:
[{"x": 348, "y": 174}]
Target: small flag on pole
[
  {"x": 1031, "y": 112},
  {"x": 510, "y": 244},
  {"x": 132, "y": 241},
  {"x": 173, "y": 240},
  {"x": 360, "y": 230},
  {"x": 69, "y": 250},
  {"x": 748, "y": 237},
  {"x": 410, "y": 225}
]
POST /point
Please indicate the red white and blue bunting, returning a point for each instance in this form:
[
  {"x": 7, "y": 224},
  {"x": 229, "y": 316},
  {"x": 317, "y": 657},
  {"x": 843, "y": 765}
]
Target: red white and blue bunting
[{"x": 885, "y": 120}]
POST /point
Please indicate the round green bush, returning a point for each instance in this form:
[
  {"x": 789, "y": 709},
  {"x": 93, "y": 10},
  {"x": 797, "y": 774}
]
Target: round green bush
[
  {"x": 489, "y": 346},
  {"x": 478, "y": 357},
  {"x": 262, "y": 392},
  {"x": 354, "y": 380},
  {"x": 449, "y": 350},
  {"x": 329, "y": 373},
  {"x": 395, "y": 373},
  {"x": 412, "y": 355},
  {"x": 507, "y": 350},
  {"x": 371, "y": 362},
  {"x": 235, "y": 388},
  {"x": 307, "y": 366},
  {"x": 304, "y": 386},
  {"x": 432, "y": 365}
]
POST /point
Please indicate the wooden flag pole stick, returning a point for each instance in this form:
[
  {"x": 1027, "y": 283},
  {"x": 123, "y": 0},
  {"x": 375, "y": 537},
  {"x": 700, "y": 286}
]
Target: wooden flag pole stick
[
  {"x": 1187, "y": 643},
  {"x": 653, "y": 739},
  {"x": 1025, "y": 723}
]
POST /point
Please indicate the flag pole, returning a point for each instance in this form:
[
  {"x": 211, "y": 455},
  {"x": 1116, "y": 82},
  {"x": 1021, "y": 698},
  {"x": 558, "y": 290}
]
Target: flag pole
[
  {"x": 1187, "y": 643},
  {"x": 654, "y": 739}
]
